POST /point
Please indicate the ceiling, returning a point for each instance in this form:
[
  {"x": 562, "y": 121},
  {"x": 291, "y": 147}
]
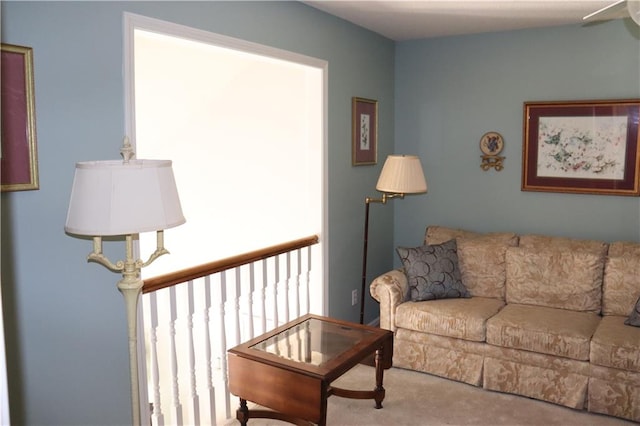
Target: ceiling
[{"x": 408, "y": 20}]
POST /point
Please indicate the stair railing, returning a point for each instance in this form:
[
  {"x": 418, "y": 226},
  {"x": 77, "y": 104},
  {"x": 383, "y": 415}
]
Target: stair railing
[{"x": 192, "y": 316}]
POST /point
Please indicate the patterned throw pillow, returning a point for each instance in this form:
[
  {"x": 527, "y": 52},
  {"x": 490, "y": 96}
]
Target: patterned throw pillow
[
  {"x": 433, "y": 272},
  {"x": 634, "y": 318}
]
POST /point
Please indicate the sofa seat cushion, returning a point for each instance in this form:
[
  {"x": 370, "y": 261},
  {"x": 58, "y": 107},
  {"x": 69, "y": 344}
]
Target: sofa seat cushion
[
  {"x": 616, "y": 345},
  {"x": 544, "y": 330},
  {"x": 460, "y": 318}
]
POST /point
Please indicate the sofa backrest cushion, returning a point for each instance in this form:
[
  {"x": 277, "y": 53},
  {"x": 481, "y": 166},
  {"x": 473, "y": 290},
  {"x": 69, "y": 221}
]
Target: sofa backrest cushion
[
  {"x": 483, "y": 266},
  {"x": 621, "y": 287},
  {"x": 481, "y": 257},
  {"x": 442, "y": 234},
  {"x": 555, "y": 278},
  {"x": 542, "y": 243},
  {"x": 624, "y": 248}
]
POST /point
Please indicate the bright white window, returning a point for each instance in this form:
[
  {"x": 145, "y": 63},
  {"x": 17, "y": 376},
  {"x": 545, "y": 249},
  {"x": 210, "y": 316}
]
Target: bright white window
[{"x": 245, "y": 135}]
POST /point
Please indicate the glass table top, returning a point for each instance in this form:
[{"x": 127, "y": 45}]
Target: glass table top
[{"x": 312, "y": 341}]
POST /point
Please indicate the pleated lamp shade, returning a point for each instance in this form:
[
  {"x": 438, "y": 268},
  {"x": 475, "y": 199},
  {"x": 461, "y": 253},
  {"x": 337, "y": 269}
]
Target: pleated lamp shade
[
  {"x": 633, "y": 6},
  {"x": 118, "y": 198},
  {"x": 402, "y": 174}
]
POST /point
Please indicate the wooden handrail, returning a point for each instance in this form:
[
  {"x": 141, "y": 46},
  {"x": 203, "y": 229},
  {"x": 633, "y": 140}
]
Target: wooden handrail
[{"x": 194, "y": 272}]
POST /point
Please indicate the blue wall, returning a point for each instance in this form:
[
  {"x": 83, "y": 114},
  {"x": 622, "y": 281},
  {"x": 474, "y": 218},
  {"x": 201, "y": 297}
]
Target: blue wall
[
  {"x": 450, "y": 91},
  {"x": 64, "y": 318}
]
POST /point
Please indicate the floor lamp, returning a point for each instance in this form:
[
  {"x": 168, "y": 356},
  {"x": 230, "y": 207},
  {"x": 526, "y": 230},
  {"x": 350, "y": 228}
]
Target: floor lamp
[
  {"x": 125, "y": 198},
  {"x": 400, "y": 175}
]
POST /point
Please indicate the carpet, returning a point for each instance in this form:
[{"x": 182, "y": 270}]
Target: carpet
[{"x": 415, "y": 399}]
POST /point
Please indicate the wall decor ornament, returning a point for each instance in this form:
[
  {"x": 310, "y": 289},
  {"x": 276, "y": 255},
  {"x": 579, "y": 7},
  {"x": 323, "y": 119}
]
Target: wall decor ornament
[
  {"x": 589, "y": 147},
  {"x": 491, "y": 144},
  {"x": 19, "y": 164},
  {"x": 364, "y": 129}
]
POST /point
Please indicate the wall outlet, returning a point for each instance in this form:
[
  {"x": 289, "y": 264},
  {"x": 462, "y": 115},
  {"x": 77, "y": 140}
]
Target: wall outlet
[{"x": 354, "y": 297}]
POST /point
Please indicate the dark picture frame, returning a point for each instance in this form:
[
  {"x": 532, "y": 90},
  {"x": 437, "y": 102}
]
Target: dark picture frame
[
  {"x": 19, "y": 163},
  {"x": 364, "y": 131},
  {"x": 589, "y": 147}
]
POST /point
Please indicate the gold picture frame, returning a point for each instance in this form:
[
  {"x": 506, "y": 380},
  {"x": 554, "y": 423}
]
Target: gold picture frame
[
  {"x": 364, "y": 129},
  {"x": 588, "y": 147},
  {"x": 19, "y": 163}
]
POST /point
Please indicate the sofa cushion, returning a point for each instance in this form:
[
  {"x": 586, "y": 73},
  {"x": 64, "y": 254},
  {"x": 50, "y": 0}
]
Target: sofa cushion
[
  {"x": 556, "y": 279},
  {"x": 634, "y": 317},
  {"x": 460, "y": 318},
  {"x": 433, "y": 271},
  {"x": 623, "y": 248},
  {"x": 545, "y": 330},
  {"x": 441, "y": 234},
  {"x": 481, "y": 257},
  {"x": 616, "y": 345},
  {"x": 621, "y": 284},
  {"x": 544, "y": 243},
  {"x": 482, "y": 265}
]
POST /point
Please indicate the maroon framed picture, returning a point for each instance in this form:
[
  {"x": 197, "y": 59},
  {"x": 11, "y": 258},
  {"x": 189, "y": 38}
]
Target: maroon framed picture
[
  {"x": 364, "y": 131},
  {"x": 19, "y": 163},
  {"x": 589, "y": 147}
]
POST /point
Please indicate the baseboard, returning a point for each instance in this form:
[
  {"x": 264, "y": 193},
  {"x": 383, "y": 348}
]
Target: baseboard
[{"x": 375, "y": 322}]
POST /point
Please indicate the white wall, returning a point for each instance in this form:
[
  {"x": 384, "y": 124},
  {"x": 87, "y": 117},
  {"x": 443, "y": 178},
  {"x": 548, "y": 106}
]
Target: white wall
[{"x": 245, "y": 134}]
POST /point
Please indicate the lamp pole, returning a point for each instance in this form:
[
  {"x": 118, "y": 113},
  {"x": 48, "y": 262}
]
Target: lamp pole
[
  {"x": 130, "y": 286},
  {"x": 367, "y": 201},
  {"x": 400, "y": 175}
]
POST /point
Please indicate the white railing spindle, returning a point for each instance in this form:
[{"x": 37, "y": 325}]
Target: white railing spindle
[
  {"x": 308, "y": 279},
  {"x": 287, "y": 279},
  {"x": 263, "y": 293},
  {"x": 252, "y": 278},
  {"x": 221, "y": 291},
  {"x": 157, "y": 416},
  {"x": 276, "y": 281},
  {"x": 176, "y": 405},
  {"x": 297, "y": 283},
  {"x": 211, "y": 391},
  {"x": 236, "y": 299},
  {"x": 195, "y": 404}
]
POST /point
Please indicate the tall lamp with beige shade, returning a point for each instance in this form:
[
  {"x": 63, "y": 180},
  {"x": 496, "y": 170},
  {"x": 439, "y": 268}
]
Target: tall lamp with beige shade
[
  {"x": 112, "y": 198},
  {"x": 400, "y": 175}
]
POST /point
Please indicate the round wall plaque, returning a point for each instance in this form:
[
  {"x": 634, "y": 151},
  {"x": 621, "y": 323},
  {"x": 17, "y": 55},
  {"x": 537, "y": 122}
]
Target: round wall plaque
[{"x": 491, "y": 143}]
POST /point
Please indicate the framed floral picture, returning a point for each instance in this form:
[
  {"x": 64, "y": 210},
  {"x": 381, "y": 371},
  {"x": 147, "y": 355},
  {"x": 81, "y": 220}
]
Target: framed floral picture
[
  {"x": 364, "y": 131},
  {"x": 589, "y": 147}
]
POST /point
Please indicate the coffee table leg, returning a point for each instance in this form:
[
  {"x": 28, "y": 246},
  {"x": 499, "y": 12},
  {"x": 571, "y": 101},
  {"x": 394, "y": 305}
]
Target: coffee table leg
[
  {"x": 242, "y": 413},
  {"x": 379, "y": 390}
]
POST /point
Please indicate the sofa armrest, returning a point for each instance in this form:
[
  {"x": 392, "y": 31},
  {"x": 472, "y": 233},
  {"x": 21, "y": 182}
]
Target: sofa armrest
[{"x": 390, "y": 289}]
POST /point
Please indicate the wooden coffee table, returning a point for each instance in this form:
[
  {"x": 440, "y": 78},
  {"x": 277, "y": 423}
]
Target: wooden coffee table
[{"x": 290, "y": 369}]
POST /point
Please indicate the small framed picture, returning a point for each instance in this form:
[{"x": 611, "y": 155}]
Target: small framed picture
[
  {"x": 589, "y": 147},
  {"x": 364, "y": 131},
  {"x": 19, "y": 164}
]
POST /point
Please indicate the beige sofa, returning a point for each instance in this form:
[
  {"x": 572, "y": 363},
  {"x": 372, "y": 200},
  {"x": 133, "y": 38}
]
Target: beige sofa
[{"x": 546, "y": 319}]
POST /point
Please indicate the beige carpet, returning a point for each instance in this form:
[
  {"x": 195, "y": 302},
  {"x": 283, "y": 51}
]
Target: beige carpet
[{"x": 420, "y": 399}]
